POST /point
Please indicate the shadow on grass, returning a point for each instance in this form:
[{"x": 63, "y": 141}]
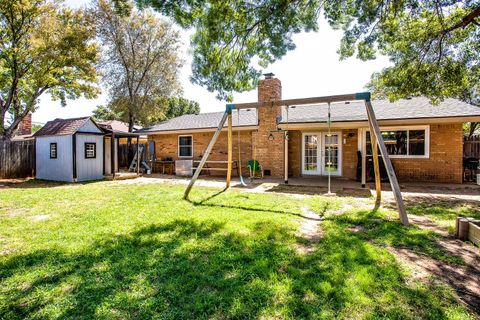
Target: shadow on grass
[
  {"x": 204, "y": 203},
  {"x": 41, "y": 184},
  {"x": 319, "y": 190},
  {"x": 193, "y": 270},
  {"x": 443, "y": 208}
]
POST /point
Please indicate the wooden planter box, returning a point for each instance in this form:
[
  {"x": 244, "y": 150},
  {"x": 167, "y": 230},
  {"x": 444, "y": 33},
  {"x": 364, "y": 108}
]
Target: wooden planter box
[
  {"x": 468, "y": 229},
  {"x": 474, "y": 232}
]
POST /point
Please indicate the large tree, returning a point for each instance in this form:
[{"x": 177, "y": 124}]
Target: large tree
[
  {"x": 163, "y": 109},
  {"x": 44, "y": 47},
  {"x": 140, "y": 60},
  {"x": 434, "y": 45}
]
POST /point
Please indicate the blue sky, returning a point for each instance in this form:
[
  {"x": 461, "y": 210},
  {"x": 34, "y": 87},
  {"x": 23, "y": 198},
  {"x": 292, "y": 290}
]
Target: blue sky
[{"x": 312, "y": 69}]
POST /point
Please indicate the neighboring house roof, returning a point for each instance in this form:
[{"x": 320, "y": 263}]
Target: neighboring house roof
[
  {"x": 414, "y": 108},
  {"x": 62, "y": 126},
  {"x": 115, "y": 125},
  {"x": 23, "y": 137},
  {"x": 203, "y": 121}
]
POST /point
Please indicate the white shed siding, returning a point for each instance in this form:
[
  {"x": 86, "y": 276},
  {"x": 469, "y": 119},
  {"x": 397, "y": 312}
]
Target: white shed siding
[
  {"x": 89, "y": 169},
  {"x": 59, "y": 169},
  {"x": 89, "y": 126}
]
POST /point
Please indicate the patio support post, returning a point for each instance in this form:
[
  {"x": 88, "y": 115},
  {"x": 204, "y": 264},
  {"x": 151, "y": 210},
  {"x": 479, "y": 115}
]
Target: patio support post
[
  {"x": 363, "y": 150},
  {"x": 207, "y": 152},
  {"x": 230, "y": 149},
  {"x": 286, "y": 157},
  {"x": 376, "y": 165},
  {"x": 113, "y": 155},
  {"x": 138, "y": 157},
  {"x": 388, "y": 164}
]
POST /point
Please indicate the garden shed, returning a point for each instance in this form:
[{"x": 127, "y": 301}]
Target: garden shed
[{"x": 70, "y": 150}]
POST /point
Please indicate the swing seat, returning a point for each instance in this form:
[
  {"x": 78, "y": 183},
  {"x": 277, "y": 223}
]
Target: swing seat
[{"x": 253, "y": 167}]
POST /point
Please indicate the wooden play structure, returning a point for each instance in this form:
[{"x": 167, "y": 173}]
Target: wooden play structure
[{"x": 377, "y": 140}]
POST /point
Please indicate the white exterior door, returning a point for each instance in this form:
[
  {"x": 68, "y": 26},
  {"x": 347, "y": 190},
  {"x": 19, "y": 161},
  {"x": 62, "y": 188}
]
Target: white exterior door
[
  {"x": 311, "y": 153},
  {"x": 321, "y": 153},
  {"x": 331, "y": 153}
]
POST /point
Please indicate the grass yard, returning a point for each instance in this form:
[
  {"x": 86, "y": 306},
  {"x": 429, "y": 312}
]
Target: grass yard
[{"x": 122, "y": 251}]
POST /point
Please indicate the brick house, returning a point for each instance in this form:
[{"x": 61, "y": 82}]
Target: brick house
[{"x": 424, "y": 141}]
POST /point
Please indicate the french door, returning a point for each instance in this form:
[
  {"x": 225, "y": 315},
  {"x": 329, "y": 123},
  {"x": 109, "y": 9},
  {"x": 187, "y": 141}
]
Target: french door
[{"x": 321, "y": 153}]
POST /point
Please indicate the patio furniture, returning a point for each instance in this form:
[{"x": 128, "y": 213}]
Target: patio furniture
[
  {"x": 253, "y": 167},
  {"x": 208, "y": 166}
]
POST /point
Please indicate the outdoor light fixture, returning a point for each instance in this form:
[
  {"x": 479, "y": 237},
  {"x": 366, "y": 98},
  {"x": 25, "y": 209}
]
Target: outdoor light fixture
[{"x": 271, "y": 137}]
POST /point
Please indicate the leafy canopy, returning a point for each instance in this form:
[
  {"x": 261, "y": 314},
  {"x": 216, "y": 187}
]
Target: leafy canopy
[
  {"x": 163, "y": 109},
  {"x": 434, "y": 45},
  {"x": 140, "y": 61},
  {"x": 44, "y": 47}
]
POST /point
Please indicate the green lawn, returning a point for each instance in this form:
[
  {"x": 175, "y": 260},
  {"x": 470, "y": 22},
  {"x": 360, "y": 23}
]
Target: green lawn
[{"x": 140, "y": 251}]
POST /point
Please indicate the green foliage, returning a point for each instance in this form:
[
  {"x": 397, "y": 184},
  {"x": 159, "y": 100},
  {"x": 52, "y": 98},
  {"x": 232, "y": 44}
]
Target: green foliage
[
  {"x": 160, "y": 110},
  {"x": 141, "y": 252},
  {"x": 36, "y": 127},
  {"x": 434, "y": 45},
  {"x": 102, "y": 112},
  {"x": 178, "y": 106},
  {"x": 44, "y": 48},
  {"x": 232, "y": 37},
  {"x": 140, "y": 61}
]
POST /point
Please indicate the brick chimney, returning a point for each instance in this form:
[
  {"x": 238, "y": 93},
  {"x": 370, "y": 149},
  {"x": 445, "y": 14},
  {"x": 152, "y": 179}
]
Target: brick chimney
[
  {"x": 25, "y": 127},
  {"x": 269, "y": 89},
  {"x": 269, "y": 144}
]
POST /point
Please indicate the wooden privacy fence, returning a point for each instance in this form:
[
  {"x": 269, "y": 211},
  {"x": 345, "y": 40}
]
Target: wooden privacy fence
[
  {"x": 126, "y": 154},
  {"x": 17, "y": 159},
  {"x": 471, "y": 147}
]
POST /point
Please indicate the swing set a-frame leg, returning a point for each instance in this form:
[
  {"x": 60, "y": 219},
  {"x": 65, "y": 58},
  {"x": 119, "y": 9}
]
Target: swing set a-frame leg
[
  {"x": 376, "y": 165},
  {"x": 388, "y": 164},
  {"x": 206, "y": 154}
]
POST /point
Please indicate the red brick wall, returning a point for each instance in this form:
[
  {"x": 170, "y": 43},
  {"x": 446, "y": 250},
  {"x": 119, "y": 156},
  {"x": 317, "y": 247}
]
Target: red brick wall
[
  {"x": 25, "y": 127},
  {"x": 445, "y": 161},
  {"x": 443, "y": 165},
  {"x": 269, "y": 152},
  {"x": 166, "y": 145}
]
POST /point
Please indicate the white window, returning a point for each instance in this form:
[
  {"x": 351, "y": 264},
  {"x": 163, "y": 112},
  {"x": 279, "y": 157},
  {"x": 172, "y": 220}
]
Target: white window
[
  {"x": 53, "y": 150},
  {"x": 404, "y": 142},
  {"x": 185, "y": 146},
  {"x": 90, "y": 150}
]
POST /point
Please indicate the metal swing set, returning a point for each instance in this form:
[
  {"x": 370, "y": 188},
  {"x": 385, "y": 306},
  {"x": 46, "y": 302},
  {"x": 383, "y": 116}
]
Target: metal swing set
[{"x": 376, "y": 137}]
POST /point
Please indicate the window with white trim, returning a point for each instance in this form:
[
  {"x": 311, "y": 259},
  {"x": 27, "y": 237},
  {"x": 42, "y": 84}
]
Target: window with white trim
[
  {"x": 53, "y": 150},
  {"x": 185, "y": 146},
  {"x": 90, "y": 150},
  {"x": 403, "y": 142}
]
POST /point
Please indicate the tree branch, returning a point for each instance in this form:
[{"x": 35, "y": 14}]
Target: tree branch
[{"x": 466, "y": 20}]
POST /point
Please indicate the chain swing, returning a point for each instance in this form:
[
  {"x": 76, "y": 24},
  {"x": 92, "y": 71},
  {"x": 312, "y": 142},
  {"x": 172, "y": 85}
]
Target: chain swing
[
  {"x": 329, "y": 136},
  {"x": 239, "y": 152}
]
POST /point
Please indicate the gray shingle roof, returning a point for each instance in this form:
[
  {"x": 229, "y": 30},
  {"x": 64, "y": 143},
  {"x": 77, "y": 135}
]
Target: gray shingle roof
[
  {"x": 415, "y": 108},
  {"x": 203, "y": 121}
]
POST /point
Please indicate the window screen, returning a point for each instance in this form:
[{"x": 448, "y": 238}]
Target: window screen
[
  {"x": 90, "y": 150},
  {"x": 53, "y": 150},
  {"x": 185, "y": 146},
  {"x": 402, "y": 142}
]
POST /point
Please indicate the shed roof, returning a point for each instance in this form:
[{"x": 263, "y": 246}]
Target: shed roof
[{"x": 62, "y": 126}]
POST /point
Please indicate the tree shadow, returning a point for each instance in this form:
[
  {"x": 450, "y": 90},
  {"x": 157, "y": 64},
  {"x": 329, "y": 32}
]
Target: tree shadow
[{"x": 197, "y": 270}]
